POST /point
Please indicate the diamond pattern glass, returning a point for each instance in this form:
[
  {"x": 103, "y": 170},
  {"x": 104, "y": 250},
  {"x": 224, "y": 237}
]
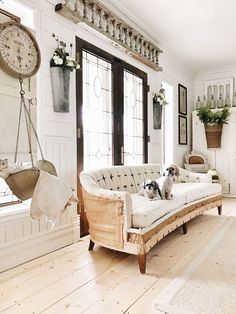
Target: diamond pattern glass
[
  {"x": 97, "y": 111},
  {"x": 133, "y": 119}
]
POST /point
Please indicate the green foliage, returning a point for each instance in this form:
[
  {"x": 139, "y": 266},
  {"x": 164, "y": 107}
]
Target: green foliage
[{"x": 212, "y": 117}]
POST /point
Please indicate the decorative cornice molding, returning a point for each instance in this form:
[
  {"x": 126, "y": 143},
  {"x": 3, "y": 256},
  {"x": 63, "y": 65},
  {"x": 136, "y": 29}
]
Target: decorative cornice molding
[
  {"x": 132, "y": 20},
  {"x": 99, "y": 17}
]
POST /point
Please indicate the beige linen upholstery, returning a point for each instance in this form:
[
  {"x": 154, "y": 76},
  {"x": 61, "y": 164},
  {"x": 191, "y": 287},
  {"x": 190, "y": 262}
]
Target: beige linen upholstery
[{"x": 121, "y": 219}]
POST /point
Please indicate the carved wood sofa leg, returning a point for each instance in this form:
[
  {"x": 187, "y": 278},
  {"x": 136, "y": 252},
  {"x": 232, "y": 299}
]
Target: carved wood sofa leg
[
  {"x": 185, "y": 228},
  {"x": 220, "y": 210},
  {"x": 142, "y": 263},
  {"x": 91, "y": 245}
]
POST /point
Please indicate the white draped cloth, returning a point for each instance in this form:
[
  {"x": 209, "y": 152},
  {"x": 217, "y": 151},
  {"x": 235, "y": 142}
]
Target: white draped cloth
[{"x": 51, "y": 197}]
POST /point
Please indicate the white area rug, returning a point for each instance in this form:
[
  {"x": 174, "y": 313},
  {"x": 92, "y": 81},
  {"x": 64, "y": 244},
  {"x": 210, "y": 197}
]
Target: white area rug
[{"x": 208, "y": 284}]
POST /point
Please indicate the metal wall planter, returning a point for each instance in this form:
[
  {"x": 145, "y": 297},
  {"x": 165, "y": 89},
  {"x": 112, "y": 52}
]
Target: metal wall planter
[{"x": 60, "y": 78}]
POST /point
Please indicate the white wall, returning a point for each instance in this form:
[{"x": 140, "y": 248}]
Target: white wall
[
  {"x": 173, "y": 76},
  {"x": 58, "y": 132},
  {"x": 59, "y": 129},
  {"x": 21, "y": 238},
  {"x": 221, "y": 159},
  {"x": 211, "y": 74}
]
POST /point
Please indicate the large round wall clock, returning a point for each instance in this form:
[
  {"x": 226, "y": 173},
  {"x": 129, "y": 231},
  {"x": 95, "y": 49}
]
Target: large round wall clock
[{"x": 19, "y": 51}]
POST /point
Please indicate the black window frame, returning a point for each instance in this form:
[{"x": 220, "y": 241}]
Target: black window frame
[{"x": 118, "y": 67}]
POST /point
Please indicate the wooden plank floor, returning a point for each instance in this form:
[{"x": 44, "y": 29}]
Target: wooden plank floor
[{"x": 74, "y": 280}]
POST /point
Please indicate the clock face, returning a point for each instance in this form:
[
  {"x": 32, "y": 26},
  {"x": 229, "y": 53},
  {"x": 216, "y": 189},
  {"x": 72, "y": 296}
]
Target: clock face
[{"x": 19, "y": 51}]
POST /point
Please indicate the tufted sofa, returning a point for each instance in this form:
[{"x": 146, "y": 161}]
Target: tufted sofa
[{"x": 119, "y": 218}]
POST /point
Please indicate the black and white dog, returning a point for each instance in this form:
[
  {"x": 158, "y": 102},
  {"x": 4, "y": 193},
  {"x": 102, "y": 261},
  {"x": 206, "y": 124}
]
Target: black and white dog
[
  {"x": 165, "y": 182},
  {"x": 150, "y": 189}
]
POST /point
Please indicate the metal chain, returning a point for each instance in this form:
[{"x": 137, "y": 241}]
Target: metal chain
[
  {"x": 18, "y": 132},
  {"x": 28, "y": 123},
  {"x": 34, "y": 130},
  {"x": 28, "y": 134}
]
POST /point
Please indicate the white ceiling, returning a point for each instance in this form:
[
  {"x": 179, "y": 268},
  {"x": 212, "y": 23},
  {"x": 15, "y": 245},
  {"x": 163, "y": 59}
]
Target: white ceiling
[{"x": 201, "y": 33}]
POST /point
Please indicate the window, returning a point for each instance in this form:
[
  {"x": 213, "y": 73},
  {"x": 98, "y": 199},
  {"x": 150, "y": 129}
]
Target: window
[
  {"x": 97, "y": 111},
  {"x": 111, "y": 110},
  {"x": 168, "y": 149},
  {"x": 6, "y": 195},
  {"x": 133, "y": 119}
]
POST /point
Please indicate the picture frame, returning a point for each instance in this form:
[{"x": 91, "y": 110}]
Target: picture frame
[
  {"x": 182, "y": 96},
  {"x": 183, "y": 130}
]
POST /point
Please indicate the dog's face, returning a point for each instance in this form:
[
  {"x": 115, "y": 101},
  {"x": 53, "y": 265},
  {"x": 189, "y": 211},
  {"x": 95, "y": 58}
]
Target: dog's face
[
  {"x": 150, "y": 188},
  {"x": 171, "y": 171}
]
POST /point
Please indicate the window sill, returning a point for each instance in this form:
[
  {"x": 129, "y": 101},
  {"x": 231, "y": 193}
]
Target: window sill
[{"x": 13, "y": 212}]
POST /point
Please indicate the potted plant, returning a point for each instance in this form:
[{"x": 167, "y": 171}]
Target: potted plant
[
  {"x": 61, "y": 65},
  {"x": 213, "y": 123}
]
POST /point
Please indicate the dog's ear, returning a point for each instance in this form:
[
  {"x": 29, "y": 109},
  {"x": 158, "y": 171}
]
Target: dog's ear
[{"x": 156, "y": 186}]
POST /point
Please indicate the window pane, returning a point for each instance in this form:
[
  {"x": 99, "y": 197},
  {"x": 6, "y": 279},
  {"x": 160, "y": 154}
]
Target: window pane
[
  {"x": 6, "y": 196},
  {"x": 133, "y": 119},
  {"x": 97, "y": 111}
]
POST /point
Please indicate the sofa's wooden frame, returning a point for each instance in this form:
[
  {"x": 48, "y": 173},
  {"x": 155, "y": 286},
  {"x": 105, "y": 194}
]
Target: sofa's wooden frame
[{"x": 106, "y": 225}]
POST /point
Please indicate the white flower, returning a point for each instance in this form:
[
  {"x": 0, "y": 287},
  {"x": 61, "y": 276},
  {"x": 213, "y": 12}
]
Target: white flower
[
  {"x": 78, "y": 66},
  {"x": 69, "y": 58},
  {"x": 57, "y": 60},
  {"x": 159, "y": 97},
  {"x": 70, "y": 64}
]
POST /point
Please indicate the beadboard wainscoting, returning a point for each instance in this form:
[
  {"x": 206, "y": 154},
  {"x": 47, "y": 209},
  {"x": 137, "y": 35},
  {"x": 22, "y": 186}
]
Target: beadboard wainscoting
[{"x": 23, "y": 239}]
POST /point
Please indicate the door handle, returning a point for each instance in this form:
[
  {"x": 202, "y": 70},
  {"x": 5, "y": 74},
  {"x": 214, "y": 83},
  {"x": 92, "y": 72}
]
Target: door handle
[{"x": 122, "y": 153}]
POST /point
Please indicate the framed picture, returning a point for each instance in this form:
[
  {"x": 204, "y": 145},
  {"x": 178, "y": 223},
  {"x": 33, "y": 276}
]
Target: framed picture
[
  {"x": 182, "y": 91},
  {"x": 157, "y": 116},
  {"x": 183, "y": 130}
]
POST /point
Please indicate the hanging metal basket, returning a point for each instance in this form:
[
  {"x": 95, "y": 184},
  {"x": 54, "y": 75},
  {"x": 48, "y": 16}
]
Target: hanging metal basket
[{"x": 23, "y": 183}]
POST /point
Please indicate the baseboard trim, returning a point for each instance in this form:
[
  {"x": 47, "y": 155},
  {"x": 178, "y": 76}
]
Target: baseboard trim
[{"x": 22, "y": 251}]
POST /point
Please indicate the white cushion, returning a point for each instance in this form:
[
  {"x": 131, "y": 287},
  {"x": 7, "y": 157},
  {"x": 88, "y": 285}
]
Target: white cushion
[
  {"x": 195, "y": 191},
  {"x": 145, "y": 212}
]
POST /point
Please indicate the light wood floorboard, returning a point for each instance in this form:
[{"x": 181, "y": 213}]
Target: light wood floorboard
[{"x": 74, "y": 280}]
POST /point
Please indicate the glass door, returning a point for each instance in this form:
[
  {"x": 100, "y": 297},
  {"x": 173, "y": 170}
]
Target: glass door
[
  {"x": 111, "y": 114},
  {"x": 134, "y": 137}
]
